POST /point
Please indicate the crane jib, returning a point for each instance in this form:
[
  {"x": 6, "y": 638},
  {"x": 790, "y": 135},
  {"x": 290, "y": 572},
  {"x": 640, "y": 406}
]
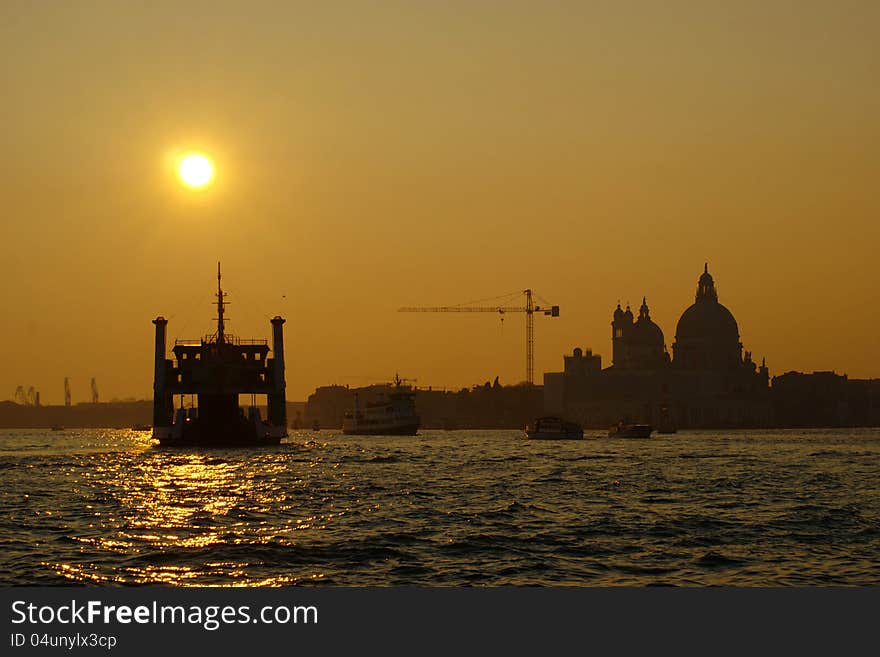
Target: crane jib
[{"x": 529, "y": 309}]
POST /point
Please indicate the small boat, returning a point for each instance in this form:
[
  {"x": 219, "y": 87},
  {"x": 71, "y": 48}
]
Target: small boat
[
  {"x": 630, "y": 431},
  {"x": 141, "y": 427},
  {"x": 56, "y": 427},
  {"x": 554, "y": 428}
]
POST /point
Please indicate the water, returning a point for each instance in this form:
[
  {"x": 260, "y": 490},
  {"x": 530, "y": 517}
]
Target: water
[{"x": 443, "y": 508}]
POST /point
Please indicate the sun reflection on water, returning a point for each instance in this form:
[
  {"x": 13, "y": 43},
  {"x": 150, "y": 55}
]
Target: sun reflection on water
[{"x": 167, "y": 515}]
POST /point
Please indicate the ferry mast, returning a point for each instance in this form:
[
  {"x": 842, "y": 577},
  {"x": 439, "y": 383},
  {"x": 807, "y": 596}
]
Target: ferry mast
[{"x": 221, "y": 304}]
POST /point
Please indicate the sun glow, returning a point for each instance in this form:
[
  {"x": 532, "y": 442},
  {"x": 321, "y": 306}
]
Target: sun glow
[{"x": 195, "y": 170}]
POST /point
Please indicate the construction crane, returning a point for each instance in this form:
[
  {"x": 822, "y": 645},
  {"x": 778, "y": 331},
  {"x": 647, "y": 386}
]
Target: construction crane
[
  {"x": 529, "y": 309},
  {"x": 29, "y": 398}
]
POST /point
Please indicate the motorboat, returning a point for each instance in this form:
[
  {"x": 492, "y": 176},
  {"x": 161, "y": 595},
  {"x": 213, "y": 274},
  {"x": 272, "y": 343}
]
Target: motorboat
[
  {"x": 554, "y": 428},
  {"x": 622, "y": 430}
]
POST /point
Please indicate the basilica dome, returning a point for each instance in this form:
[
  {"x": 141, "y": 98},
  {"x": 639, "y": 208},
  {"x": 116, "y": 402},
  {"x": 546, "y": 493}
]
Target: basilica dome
[
  {"x": 707, "y": 335},
  {"x": 707, "y": 320}
]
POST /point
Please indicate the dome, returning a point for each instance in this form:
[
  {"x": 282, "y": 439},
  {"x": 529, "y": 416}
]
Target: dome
[
  {"x": 707, "y": 320},
  {"x": 645, "y": 331},
  {"x": 618, "y": 313},
  {"x": 707, "y": 336}
]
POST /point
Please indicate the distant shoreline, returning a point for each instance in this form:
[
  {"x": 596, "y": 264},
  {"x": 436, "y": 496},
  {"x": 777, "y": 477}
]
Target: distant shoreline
[{"x": 128, "y": 414}]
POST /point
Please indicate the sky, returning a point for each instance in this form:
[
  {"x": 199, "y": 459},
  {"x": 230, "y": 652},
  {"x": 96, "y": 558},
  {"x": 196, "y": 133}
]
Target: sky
[{"x": 376, "y": 155}]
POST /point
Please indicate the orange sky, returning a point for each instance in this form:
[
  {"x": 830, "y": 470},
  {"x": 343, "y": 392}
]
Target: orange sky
[{"x": 374, "y": 155}]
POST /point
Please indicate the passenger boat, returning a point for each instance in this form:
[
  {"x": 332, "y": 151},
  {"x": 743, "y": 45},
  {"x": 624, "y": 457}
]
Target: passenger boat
[
  {"x": 630, "y": 431},
  {"x": 554, "y": 428},
  {"x": 392, "y": 414}
]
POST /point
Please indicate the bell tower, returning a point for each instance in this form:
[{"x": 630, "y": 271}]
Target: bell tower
[{"x": 620, "y": 326}]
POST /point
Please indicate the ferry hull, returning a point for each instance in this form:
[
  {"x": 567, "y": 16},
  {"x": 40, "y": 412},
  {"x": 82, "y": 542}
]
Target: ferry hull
[
  {"x": 196, "y": 436},
  {"x": 218, "y": 442}
]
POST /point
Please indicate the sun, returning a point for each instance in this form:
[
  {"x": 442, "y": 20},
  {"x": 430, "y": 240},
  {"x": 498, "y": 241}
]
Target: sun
[{"x": 195, "y": 170}]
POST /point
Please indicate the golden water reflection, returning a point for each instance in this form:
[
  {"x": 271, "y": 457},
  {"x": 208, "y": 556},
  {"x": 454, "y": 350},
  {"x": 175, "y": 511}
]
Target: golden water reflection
[{"x": 169, "y": 515}]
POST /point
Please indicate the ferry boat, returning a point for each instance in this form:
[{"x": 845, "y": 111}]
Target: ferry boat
[
  {"x": 392, "y": 414},
  {"x": 630, "y": 431},
  {"x": 217, "y": 369},
  {"x": 554, "y": 428}
]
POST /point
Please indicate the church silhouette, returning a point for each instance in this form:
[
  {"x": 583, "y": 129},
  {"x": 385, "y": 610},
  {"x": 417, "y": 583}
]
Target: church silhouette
[{"x": 707, "y": 381}]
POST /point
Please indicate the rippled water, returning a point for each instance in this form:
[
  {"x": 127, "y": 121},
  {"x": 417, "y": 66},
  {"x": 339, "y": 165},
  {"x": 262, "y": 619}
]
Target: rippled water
[{"x": 443, "y": 508}]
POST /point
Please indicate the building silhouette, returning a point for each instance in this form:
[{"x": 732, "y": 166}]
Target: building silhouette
[
  {"x": 708, "y": 381},
  {"x": 825, "y": 399},
  {"x": 487, "y": 406}
]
